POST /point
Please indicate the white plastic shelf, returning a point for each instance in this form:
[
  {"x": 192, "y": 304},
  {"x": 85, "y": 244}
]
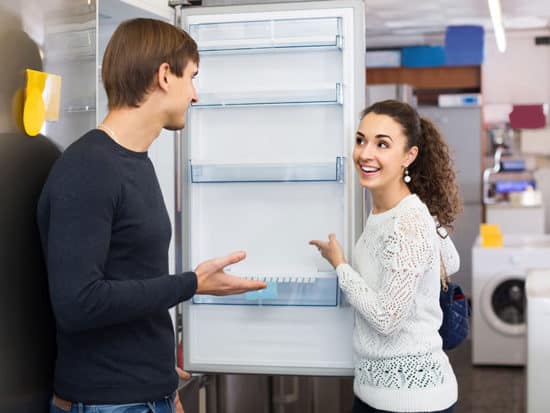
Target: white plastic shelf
[
  {"x": 298, "y": 289},
  {"x": 79, "y": 108},
  {"x": 324, "y": 95},
  {"x": 268, "y": 34},
  {"x": 307, "y": 172}
]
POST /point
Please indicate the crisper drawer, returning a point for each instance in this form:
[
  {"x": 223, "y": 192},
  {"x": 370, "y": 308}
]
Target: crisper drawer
[{"x": 284, "y": 289}]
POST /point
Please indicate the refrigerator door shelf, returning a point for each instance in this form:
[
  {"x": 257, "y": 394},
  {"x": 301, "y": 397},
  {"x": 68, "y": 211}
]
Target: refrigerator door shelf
[
  {"x": 320, "y": 289},
  {"x": 305, "y": 172},
  {"x": 79, "y": 108},
  {"x": 322, "y": 95},
  {"x": 268, "y": 34}
]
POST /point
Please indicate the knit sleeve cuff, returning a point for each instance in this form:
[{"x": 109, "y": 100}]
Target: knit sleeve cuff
[{"x": 189, "y": 285}]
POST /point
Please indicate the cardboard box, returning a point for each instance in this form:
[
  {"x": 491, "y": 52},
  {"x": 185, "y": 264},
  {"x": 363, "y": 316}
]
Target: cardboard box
[{"x": 535, "y": 141}]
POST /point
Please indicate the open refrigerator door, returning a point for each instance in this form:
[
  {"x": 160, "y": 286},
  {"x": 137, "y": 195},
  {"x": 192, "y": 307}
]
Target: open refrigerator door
[{"x": 265, "y": 166}]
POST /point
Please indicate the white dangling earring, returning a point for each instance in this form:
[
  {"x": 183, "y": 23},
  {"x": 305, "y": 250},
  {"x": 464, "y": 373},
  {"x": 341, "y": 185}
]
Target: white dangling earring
[{"x": 407, "y": 177}]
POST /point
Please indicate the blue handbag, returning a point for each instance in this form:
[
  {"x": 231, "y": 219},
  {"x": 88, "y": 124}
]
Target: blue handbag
[{"x": 456, "y": 312}]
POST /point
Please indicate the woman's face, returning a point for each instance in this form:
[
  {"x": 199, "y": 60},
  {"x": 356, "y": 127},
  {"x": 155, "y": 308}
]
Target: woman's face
[{"x": 380, "y": 153}]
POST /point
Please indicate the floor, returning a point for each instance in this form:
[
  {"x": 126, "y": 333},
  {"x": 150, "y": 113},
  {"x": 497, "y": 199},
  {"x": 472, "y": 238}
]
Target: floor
[{"x": 487, "y": 389}]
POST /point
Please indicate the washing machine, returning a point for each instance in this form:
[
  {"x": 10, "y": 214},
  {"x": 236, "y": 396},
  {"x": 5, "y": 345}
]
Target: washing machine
[
  {"x": 499, "y": 300},
  {"x": 537, "y": 287}
]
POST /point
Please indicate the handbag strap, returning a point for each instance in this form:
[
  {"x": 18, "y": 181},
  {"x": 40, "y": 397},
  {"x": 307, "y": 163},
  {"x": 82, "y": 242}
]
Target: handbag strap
[{"x": 443, "y": 276}]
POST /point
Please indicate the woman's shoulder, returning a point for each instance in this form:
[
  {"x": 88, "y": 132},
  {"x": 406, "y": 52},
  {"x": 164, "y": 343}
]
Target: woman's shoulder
[
  {"x": 410, "y": 214},
  {"x": 412, "y": 220},
  {"x": 412, "y": 208}
]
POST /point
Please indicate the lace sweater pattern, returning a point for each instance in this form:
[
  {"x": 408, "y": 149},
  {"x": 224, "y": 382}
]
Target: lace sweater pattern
[{"x": 399, "y": 362}]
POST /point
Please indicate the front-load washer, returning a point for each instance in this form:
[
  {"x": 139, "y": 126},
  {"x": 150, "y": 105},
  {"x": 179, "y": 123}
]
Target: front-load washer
[{"x": 498, "y": 297}]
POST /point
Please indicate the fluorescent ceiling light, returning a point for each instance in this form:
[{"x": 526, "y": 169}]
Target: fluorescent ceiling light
[{"x": 498, "y": 28}]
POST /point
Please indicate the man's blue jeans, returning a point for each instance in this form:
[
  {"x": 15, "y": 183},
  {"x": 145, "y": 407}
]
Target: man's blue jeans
[{"x": 165, "y": 405}]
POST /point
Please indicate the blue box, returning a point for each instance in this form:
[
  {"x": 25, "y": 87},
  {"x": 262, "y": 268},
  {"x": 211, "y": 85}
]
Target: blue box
[
  {"x": 423, "y": 56},
  {"x": 464, "y": 45},
  {"x": 504, "y": 187},
  {"x": 512, "y": 165}
]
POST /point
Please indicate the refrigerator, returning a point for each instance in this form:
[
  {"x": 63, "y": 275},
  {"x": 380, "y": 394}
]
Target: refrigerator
[
  {"x": 265, "y": 166},
  {"x": 57, "y": 37},
  {"x": 461, "y": 128}
]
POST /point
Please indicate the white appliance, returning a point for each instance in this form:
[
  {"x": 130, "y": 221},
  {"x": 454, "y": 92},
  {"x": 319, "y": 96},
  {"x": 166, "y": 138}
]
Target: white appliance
[
  {"x": 538, "y": 337},
  {"x": 516, "y": 219},
  {"x": 498, "y": 300},
  {"x": 266, "y": 165}
]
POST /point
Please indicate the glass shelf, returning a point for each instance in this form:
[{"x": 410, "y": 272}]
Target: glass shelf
[
  {"x": 79, "y": 108},
  {"x": 268, "y": 34},
  {"x": 76, "y": 43},
  {"x": 306, "y": 172},
  {"x": 327, "y": 95},
  {"x": 318, "y": 289}
]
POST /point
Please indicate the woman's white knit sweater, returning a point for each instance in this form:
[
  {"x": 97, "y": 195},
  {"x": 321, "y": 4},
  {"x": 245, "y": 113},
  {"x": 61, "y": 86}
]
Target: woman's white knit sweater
[{"x": 399, "y": 362}]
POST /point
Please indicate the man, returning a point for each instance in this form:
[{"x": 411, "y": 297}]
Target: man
[{"x": 105, "y": 233}]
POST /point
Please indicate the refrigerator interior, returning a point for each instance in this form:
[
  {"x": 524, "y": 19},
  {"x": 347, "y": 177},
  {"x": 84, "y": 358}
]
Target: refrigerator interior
[{"x": 266, "y": 157}]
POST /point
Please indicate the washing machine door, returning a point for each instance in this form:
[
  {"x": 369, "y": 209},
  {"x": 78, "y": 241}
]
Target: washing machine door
[{"x": 503, "y": 304}]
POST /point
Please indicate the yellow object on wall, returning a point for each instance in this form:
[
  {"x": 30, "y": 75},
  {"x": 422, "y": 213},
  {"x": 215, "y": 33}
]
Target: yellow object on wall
[
  {"x": 34, "y": 112},
  {"x": 41, "y": 101}
]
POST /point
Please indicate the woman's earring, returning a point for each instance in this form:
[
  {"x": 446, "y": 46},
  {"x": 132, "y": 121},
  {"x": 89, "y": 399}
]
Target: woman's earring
[{"x": 407, "y": 177}]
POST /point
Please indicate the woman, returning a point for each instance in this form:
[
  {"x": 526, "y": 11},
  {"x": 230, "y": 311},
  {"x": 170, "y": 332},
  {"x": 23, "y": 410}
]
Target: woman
[{"x": 394, "y": 285}]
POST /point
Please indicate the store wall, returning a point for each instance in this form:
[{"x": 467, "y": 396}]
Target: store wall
[{"x": 519, "y": 75}]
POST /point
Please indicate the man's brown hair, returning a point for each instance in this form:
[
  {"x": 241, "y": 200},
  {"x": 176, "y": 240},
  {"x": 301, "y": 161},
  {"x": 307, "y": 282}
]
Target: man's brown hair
[{"x": 134, "y": 53}]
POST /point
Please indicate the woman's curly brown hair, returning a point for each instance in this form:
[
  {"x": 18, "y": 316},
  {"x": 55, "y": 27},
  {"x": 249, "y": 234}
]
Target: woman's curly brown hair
[{"x": 433, "y": 177}]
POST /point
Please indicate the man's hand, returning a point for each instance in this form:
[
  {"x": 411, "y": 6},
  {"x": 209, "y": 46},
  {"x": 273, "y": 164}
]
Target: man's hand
[
  {"x": 212, "y": 279},
  {"x": 183, "y": 375},
  {"x": 177, "y": 403},
  {"x": 331, "y": 250}
]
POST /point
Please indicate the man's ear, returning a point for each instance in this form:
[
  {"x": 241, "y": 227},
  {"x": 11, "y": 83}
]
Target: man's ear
[{"x": 163, "y": 76}]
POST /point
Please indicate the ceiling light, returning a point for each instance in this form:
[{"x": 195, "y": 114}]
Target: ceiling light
[{"x": 498, "y": 28}]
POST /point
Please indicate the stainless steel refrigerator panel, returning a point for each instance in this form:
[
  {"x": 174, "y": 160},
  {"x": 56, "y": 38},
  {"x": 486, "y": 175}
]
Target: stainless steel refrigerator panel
[
  {"x": 397, "y": 91},
  {"x": 464, "y": 234},
  {"x": 461, "y": 128},
  {"x": 282, "y": 394}
]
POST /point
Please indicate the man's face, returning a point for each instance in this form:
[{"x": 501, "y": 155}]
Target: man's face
[{"x": 181, "y": 94}]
